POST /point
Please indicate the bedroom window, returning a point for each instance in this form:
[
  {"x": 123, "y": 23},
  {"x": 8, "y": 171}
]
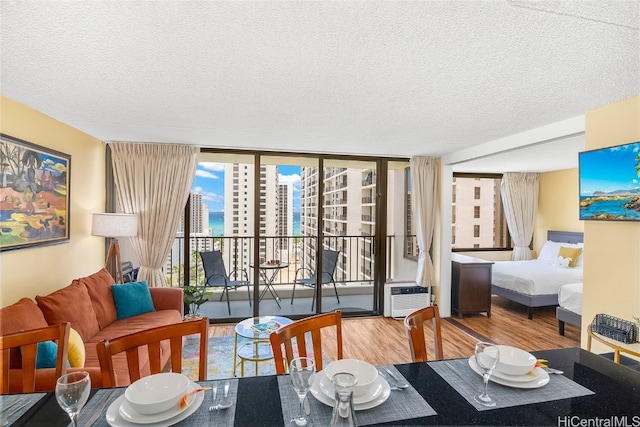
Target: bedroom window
[{"x": 478, "y": 220}]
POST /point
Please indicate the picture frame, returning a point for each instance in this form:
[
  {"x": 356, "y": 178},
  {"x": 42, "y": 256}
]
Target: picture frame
[
  {"x": 34, "y": 195},
  {"x": 609, "y": 181}
]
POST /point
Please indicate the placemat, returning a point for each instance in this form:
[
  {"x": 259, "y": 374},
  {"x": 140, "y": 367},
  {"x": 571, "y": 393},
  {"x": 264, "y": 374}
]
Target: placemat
[
  {"x": 467, "y": 382},
  {"x": 13, "y": 406},
  {"x": 397, "y": 406},
  {"x": 202, "y": 416}
]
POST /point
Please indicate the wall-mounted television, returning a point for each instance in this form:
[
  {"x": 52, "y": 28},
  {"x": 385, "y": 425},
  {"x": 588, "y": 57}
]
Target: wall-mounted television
[{"x": 610, "y": 183}]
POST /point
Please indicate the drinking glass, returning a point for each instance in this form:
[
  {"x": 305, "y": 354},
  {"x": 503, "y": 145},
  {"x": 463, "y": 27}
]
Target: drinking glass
[
  {"x": 486, "y": 356},
  {"x": 301, "y": 370},
  {"x": 72, "y": 392}
]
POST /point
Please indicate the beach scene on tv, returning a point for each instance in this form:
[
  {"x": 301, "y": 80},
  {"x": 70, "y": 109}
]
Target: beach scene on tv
[{"x": 610, "y": 183}]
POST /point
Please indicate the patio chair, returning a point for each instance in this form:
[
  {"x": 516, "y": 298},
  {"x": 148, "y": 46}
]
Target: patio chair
[
  {"x": 283, "y": 336},
  {"x": 329, "y": 262},
  {"x": 152, "y": 339},
  {"x": 414, "y": 326},
  {"x": 24, "y": 346},
  {"x": 215, "y": 275}
]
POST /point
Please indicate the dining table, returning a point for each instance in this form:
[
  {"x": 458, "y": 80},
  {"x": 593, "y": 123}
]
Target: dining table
[{"x": 591, "y": 391}]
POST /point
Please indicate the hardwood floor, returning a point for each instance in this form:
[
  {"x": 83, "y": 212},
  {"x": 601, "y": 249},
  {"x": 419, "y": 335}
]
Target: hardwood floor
[{"x": 382, "y": 340}]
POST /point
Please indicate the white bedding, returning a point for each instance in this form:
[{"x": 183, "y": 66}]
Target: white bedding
[
  {"x": 533, "y": 277},
  {"x": 570, "y": 297}
]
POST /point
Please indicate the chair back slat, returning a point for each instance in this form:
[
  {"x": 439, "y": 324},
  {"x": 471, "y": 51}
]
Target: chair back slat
[
  {"x": 28, "y": 341},
  {"x": 150, "y": 341},
  {"x": 414, "y": 327},
  {"x": 312, "y": 326}
]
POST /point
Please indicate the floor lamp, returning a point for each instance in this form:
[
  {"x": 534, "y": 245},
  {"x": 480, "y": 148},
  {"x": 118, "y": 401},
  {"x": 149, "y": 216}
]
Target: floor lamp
[{"x": 114, "y": 225}]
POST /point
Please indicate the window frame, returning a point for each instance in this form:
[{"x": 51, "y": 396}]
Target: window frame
[{"x": 507, "y": 238}]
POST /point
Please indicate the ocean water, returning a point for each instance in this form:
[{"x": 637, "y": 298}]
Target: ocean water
[
  {"x": 614, "y": 207},
  {"x": 216, "y": 222}
]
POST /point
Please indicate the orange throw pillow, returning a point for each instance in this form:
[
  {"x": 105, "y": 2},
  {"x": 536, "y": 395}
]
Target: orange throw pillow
[{"x": 99, "y": 288}]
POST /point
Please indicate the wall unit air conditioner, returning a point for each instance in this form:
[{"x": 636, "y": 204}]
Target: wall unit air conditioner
[{"x": 401, "y": 299}]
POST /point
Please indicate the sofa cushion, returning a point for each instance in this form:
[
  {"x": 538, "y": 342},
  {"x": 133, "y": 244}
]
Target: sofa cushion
[
  {"x": 70, "y": 304},
  {"x": 24, "y": 315},
  {"x": 127, "y": 326},
  {"x": 132, "y": 299},
  {"x": 99, "y": 288}
]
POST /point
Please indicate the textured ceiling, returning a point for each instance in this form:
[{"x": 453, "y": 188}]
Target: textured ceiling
[{"x": 390, "y": 78}]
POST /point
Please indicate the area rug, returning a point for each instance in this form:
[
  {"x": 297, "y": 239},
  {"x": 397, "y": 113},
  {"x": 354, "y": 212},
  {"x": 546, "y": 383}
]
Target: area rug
[{"x": 220, "y": 364}]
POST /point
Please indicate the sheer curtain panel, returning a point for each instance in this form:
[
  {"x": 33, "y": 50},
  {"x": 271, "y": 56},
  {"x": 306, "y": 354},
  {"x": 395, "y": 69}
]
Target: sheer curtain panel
[
  {"x": 520, "y": 201},
  {"x": 424, "y": 191},
  {"x": 153, "y": 181}
]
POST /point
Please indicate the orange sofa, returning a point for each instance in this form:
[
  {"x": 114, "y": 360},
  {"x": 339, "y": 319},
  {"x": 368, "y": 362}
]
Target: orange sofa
[{"x": 88, "y": 304}]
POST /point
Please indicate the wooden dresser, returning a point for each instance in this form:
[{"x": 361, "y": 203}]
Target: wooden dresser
[{"x": 470, "y": 285}]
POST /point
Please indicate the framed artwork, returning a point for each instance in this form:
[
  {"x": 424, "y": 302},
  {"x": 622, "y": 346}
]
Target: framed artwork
[
  {"x": 34, "y": 195},
  {"x": 610, "y": 183}
]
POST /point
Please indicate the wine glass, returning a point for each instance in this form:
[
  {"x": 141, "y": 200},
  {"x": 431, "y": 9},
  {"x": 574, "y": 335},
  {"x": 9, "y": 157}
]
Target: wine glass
[
  {"x": 72, "y": 392},
  {"x": 486, "y": 356},
  {"x": 301, "y": 371}
]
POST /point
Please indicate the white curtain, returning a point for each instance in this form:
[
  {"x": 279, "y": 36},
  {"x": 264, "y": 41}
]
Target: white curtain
[
  {"x": 520, "y": 201},
  {"x": 424, "y": 192},
  {"x": 153, "y": 181}
]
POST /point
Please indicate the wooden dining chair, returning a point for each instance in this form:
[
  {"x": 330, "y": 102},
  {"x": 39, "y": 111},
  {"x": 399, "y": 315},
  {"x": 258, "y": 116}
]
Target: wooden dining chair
[
  {"x": 25, "y": 344},
  {"x": 414, "y": 327},
  {"x": 300, "y": 329},
  {"x": 151, "y": 338}
]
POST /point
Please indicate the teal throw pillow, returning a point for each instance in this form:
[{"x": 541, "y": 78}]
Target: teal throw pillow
[
  {"x": 47, "y": 355},
  {"x": 131, "y": 299}
]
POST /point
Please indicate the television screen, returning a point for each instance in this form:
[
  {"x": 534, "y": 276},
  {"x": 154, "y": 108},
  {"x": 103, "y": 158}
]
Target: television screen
[{"x": 610, "y": 183}]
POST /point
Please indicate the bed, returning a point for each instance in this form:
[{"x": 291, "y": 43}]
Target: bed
[
  {"x": 536, "y": 283},
  {"x": 569, "y": 308}
]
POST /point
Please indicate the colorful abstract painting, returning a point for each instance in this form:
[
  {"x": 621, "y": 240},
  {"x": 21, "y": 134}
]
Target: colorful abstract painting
[{"x": 34, "y": 195}]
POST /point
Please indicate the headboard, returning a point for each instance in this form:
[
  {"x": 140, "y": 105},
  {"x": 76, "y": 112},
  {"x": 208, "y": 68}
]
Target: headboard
[{"x": 565, "y": 236}]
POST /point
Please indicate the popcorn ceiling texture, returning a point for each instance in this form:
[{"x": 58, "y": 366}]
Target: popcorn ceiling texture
[{"x": 376, "y": 77}]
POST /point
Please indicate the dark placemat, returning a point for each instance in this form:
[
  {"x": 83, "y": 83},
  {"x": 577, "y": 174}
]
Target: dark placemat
[
  {"x": 467, "y": 382},
  {"x": 202, "y": 415},
  {"x": 395, "y": 408},
  {"x": 14, "y": 405}
]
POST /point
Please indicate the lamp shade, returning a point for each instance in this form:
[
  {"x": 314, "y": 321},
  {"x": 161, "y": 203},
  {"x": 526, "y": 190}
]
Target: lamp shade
[{"x": 114, "y": 225}]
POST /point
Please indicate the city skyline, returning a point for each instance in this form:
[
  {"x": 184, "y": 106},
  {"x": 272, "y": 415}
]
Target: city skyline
[{"x": 209, "y": 182}]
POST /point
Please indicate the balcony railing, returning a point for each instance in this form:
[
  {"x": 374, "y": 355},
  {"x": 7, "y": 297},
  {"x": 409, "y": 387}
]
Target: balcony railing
[{"x": 355, "y": 263}]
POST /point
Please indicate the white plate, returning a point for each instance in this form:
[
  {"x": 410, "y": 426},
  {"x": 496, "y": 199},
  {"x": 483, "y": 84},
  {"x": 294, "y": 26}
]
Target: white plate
[
  {"x": 507, "y": 377},
  {"x": 329, "y": 401},
  {"x": 128, "y": 413},
  {"x": 541, "y": 378},
  {"x": 326, "y": 386},
  {"x": 115, "y": 419}
]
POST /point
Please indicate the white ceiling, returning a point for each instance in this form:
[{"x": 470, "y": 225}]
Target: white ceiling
[{"x": 390, "y": 78}]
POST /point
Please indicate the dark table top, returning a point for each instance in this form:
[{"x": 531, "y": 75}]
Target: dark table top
[{"x": 616, "y": 398}]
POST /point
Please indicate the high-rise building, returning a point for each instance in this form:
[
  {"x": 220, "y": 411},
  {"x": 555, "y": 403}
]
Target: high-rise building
[
  {"x": 239, "y": 213},
  {"x": 284, "y": 214}
]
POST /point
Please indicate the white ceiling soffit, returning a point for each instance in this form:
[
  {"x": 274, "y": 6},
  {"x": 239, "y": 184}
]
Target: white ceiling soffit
[{"x": 384, "y": 78}]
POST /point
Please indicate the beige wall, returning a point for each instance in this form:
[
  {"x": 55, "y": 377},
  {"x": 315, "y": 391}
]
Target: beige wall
[
  {"x": 41, "y": 270},
  {"x": 612, "y": 249},
  {"x": 558, "y": 205}
]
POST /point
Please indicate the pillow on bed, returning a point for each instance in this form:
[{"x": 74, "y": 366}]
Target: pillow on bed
[
  {"x": 549, "y": 252},
  {"x": 571, "y": 253}
]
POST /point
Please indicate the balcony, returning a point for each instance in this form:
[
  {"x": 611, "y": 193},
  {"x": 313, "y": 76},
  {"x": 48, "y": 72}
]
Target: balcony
[{"x": 353, "y": 273}]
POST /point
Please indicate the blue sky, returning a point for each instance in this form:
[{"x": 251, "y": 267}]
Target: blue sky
[
  {"x": 609, "y": 169},
  {"x": 209, "y": 181}
]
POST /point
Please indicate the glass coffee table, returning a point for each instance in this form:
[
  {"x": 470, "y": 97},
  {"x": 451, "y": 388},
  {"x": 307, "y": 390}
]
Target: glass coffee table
[{"x": 258, "y": 348}]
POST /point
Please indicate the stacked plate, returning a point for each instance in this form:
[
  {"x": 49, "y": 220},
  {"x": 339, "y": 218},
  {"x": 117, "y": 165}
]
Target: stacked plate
[
  {"x": 516, "y": 368},
  {"x": 155, "y": 402},
  {"x": 370, "y": 391}
]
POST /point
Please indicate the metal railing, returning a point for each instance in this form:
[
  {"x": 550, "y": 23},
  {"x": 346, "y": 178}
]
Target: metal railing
[{"x": 355, "y": 263}]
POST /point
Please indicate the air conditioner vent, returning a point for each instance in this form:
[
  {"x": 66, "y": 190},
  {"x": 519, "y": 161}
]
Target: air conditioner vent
[{"x": 404, "y": 298}]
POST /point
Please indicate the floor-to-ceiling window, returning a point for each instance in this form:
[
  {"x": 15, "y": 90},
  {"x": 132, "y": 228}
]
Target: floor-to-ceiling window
[{"x": 273, "y": 216}]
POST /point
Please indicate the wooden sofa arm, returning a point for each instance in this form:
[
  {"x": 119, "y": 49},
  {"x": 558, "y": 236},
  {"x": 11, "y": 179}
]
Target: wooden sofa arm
[{"x": 167, "y": 299}]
